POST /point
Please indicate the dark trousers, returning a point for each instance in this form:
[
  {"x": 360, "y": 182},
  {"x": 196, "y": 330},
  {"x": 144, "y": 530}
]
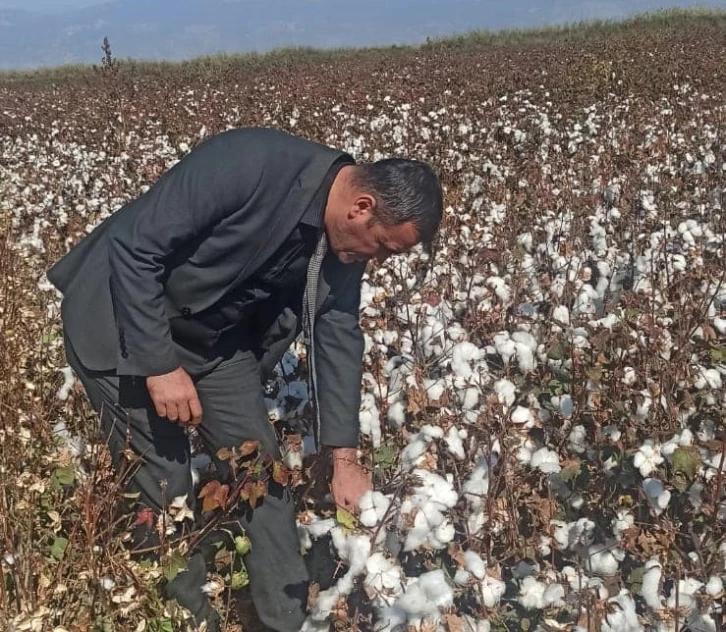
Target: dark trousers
[{"x": 233, "y": 410}]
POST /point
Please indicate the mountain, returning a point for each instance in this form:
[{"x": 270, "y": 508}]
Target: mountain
[{"x": 177, "y": 29}]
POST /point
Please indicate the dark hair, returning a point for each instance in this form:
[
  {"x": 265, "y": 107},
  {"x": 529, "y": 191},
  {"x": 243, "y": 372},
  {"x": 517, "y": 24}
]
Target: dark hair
[{"x": 406, "y": 191}]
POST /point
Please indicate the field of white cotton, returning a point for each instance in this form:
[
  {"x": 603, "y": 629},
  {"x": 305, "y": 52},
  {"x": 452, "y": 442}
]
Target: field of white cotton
[{"x": 544, "y": 394}]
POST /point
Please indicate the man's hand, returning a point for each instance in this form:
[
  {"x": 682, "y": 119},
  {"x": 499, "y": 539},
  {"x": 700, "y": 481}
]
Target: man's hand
[
  {"x": 350, "y": 479},
  {"x": 175, "y": 397}
]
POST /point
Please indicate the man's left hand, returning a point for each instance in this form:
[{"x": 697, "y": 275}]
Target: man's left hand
[{"x": 350, "y": 479}]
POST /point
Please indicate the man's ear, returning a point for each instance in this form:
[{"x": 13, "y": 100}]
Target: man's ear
[{"x": 364, "y": 206}]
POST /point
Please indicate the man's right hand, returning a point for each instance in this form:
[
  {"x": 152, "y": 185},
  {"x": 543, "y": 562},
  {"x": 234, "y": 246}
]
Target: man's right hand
[{"x": 175, "y": 397}]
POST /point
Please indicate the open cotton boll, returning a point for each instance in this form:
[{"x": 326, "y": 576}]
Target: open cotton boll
[
  {"x": 463, "y": 356},
  {"x": 454, "y": 443},
  {"x": 476, "y": 625},
  {"x": 604, "y": 559},
  {"x": 563, "y": 405},
  {"x": 492, "y": 591},
  {"x": 714, "y": 587},
  {"x": 523, "y": 416},
  {"x": 684, "y": 594},
  {"x": 658, "y": 495},
  {"x": 474, "y": 564},
  {"x": 504, "y": 346},
  {"x": 477, "y": 485},
  {"x": 506, "y": 392},
  {"x": 373, "y": 506},
  {"x": 577, "y": 441},
  {"x": 68, "y": 382},
  {"x": 369, "y": 419},
  {"x": 621, "y": 523},
  {"x": 383, "y": 576},
  {"x": 546, "y": 460},
  {"x": 622, "y": 617},
  {"x": 396, "y": 415},
  {"x": 652, "y": 585},
  {"x": 424, "y": 598},
  {"x": 647, "y": 458}
]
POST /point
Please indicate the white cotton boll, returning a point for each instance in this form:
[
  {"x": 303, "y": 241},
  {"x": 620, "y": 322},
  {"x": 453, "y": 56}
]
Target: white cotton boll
[
  {"x": 462, "y": 577},
  {"x": 477, "y": 485},
  {"x": 462, "y": 355},
  {"x": 474, "y": 564},
  {"x": 506, "y": 392},
  {"x": 442, "y": 535},
  {"x": 652, "y": 585},
  {"x": 531, "y": 594},
  {"x": 546, "y": 460},
  {"x": 561, "y": 315},
  {"x": 475, "y": 522},
  {"x": 658, "y": 495},
  {"x": 720, "y": 325},
  {"x": 554, "y": 596},
  {"x": 492, "y": 591},
  {"x": 714, "y": 587},
  {"x": 629, "y": 376},
  {"x": 454, "y": 443},
  {"x": 622, "y": 522},
  {"x": 647, "y": 458},
  {"x": 396, "y": 415},
  {"x": 544, "y": 546},
  {"x": 369, "y": 419},
  {"x": 389, "y": 618},
  {"x": 435, "y": 389},
  {"x": 383, "y": 576},
  {"x": 373, "y": 506},
  {"x": 613, "y": 433},
  {"x": 525, "y": 358},
  {"x": 504, "y": 346},
  {"x": 578, "y": 439},
  {"x": 523, "y": 416},
  {"x": 601, "y": 559},
  {"x": 425, "y": 597},
  {"x": 685, "y": 593},
  {"x": 621, "y": 615},
  {"x": 68, "y": 382},
  {"x": 469, "y": 398}
]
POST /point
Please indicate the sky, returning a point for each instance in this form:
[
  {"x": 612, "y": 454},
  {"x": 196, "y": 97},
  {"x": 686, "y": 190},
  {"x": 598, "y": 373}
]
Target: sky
[{"x": 37, "y": 33}]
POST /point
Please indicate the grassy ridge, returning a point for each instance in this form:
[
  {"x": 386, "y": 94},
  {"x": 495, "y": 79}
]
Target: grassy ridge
[{"x": 706, "y": 20}]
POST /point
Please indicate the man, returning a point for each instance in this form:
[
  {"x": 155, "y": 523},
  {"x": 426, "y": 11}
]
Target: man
[{"x": 178, "y": 305}]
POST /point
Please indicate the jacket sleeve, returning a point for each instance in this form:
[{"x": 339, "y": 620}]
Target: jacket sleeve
[
  {"x": 210, "y": 183},
  {"x": 339, "y": 357}
]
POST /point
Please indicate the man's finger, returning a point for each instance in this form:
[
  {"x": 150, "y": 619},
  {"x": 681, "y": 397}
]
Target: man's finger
[
  {"x": 172, "y": 412},
  {"x": 195, "y": 409},
  {"x": 184, "y": 415}
]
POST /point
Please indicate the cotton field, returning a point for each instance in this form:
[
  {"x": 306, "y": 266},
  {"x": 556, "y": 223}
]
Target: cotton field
[{"x": 544, "y": 394}]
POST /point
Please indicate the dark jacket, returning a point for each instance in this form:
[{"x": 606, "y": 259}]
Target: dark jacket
[{"x": 200, "y": 232}]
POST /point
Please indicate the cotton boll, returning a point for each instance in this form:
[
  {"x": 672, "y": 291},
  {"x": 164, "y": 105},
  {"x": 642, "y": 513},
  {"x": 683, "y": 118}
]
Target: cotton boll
[
  {"x": 474, "y": 564},
  {"x": 602, "y": 559},
  {"x": 442, "y": 535},
  {"x": 424, "y": 598},
  {"x": 621, "y": 523},
  {"x": 647, "y": 458},
  {"x": 454, "y": 443},
  {"x": 506, "y": 392},
  {"x": 714, "y": 587},
  {"x": 622, "y": 616},
  {"x": 504, "y": 346},
  {"x": 369, "y": 419},
  {"x": 546, "y": 461},
  {"x": 383, "y": 576},
  {"x": 563, "y": 404},
  {"x": 492, "y": 591},
  {"x": 462, "y": 356},
  {"x": 652, "y": 585},
  {"x": 477, "y": 485},
  {"x": 685, "y": 592},
  {"x": 397, "y": 414},
  {"x": 578, "y": 439},
  {"x": 68, "y": 383},
  {"x": 389, "y": 618},
  {"x": 531, "y": 594},
  {"x": 523, "y": 416},
  {"x": 373, "y": 506},
  {"x": 658, "y": 495}
]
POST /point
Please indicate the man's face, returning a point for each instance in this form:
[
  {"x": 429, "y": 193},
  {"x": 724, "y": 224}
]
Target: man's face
[{"x": 358, "y": 237}]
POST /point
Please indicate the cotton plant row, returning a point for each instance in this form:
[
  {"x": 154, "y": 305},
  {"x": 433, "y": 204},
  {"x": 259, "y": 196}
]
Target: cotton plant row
[{"x": 482, "y": 391}]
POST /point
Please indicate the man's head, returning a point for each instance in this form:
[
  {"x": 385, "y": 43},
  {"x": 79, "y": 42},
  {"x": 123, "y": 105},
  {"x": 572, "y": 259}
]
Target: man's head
[{"x": 382, "y": 208}]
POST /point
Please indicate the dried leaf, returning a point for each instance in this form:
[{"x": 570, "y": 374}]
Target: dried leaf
[
  {"x": 248, "y": 447},
  {"x": 215, "y": 496},
  {"x": 280, "y": 474}
]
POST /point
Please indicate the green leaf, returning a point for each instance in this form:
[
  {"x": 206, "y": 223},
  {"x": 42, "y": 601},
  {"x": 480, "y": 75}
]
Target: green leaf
[
  {"x": 63, "y": 476},
  {"x": 556, "y": 351},
  {"x": 718, "y": 354},
  {"x": 58, "y": 548},
  {"x": 686, "y": 462},
  {"x": 385, "y": 456},
  {"x": 346, "y": 519},
  {"x": 176, "y": 563}
]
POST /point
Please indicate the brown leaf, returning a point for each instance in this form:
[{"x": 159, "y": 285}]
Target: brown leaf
[
  {"x": 280, "y": 474},
  {"x": 215, "y": 496},
  {"x": 252, "y": 492},
  {"x": 454, "y": 623},
  {"x": 225, "y": 454},
  {"x": 145, "y": 517}
]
